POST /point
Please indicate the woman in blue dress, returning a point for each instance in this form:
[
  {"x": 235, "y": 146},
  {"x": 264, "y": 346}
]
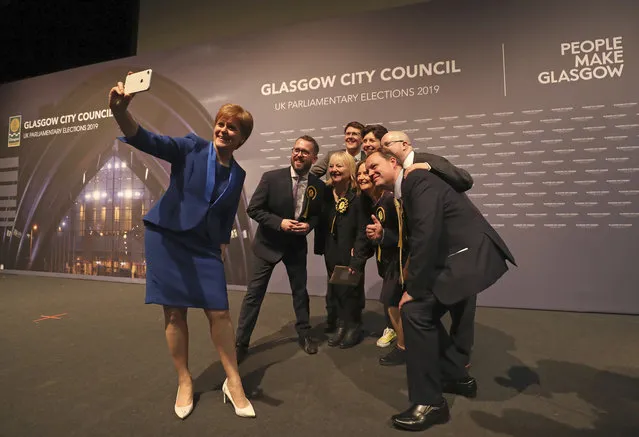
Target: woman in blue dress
[{"x": 186, "y": 233}]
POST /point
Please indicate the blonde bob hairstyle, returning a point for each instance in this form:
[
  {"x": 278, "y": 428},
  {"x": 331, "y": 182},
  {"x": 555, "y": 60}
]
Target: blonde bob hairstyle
[
  {"x": 244, "y": 118},
  {"x": 348, "y": 162}
]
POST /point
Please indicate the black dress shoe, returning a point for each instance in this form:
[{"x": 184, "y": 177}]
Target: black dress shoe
[
  {"x": 241, "y": 352},
  {"x": 421, "y": 417},
  {"x": 352, "y": 337},
  {"x": 396, "y": 357},
  {"x": 338, "y": 336},
  {"x": 466, "y": 387},
  {"x": 308, "y": 345}
]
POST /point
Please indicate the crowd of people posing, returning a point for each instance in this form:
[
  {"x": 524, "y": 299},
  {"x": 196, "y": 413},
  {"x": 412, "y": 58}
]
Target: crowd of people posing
[
  {"x": 353, "y": 221},
  {"x": 379, "y": 199}
]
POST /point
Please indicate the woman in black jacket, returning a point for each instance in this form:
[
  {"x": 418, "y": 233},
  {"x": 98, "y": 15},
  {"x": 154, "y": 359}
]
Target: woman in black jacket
[
  {"x": 335, "y": 239},
  {"x": 377, "y": 205}
]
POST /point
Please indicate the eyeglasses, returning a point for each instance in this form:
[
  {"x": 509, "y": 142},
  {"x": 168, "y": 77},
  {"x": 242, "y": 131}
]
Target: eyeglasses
[
  {"x": 302, "y": 152},
  {"x": 391, "y": 142}
]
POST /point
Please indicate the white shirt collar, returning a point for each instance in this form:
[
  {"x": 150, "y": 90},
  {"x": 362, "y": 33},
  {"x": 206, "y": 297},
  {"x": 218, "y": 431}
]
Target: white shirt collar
[
  {"x": 410, "y": 159},
  {"x": 397, "y": 192}
]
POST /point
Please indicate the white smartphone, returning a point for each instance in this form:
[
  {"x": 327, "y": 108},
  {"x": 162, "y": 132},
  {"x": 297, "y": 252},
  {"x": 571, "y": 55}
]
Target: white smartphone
[{"x": 138, "y": 82}]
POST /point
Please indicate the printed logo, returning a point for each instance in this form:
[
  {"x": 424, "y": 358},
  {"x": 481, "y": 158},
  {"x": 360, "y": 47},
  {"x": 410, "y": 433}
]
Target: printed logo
[{"x": 15, "y": 124}]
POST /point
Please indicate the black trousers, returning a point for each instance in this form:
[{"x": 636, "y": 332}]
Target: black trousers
[
  {"x": 392, "y": 290},
  {"x": 331, "y": 306},
  {"x": 431, "y": 355},
  {"x": 261, "y": 273},
  {"x": 462, "y": 314},
  {"x": 462, "y": 328},
  {"x": 343, "y": 302}
]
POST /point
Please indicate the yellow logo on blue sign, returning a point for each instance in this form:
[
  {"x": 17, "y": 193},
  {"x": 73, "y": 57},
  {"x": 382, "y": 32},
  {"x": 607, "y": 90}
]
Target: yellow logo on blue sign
[{"x": 15, "y": 124}]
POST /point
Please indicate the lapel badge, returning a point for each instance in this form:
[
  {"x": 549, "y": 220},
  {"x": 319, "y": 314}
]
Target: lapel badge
[
  {"x": 311, "y": 192},
  {"x": 342, "y": 205}
]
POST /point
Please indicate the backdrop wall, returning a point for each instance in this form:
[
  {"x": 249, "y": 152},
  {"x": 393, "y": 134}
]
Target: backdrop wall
[
  {"x": 535, "y": 99},
  {"x": 167, "y": 24}
]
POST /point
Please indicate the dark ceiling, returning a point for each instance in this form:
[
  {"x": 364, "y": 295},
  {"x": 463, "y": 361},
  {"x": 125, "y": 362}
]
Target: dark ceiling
[{"x": 42, "y": 36}]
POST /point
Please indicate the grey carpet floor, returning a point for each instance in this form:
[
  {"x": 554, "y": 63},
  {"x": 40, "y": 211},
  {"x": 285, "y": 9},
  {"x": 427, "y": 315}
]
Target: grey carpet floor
[{"x": 102, "y": 369}]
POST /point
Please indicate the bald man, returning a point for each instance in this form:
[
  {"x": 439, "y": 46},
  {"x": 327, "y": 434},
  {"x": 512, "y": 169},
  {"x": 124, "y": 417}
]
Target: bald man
[{"x": 399, "y": 144}]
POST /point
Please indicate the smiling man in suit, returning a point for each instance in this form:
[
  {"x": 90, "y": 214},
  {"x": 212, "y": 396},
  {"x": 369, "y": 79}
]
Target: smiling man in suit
[
  {"x": 455, "y": 254},
  {"x": 286, "y": 205},
  {"x": 462, "y": 330}
]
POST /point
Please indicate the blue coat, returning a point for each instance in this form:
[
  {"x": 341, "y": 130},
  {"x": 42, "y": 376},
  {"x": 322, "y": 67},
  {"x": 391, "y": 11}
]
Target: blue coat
[{"x": 187, "y": 200}]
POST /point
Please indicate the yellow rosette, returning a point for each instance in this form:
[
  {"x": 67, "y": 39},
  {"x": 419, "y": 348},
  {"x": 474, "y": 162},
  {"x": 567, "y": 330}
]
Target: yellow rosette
[
  {"x": 380, "y": 213},
  {"x": 340, "y": 206},
  {"x": 311, "y": 194},
  {"x": 400, "y": 216}
]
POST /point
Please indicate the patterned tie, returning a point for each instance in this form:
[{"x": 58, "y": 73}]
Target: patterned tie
[
  {"x": 400, "y": 220},
  {"x": 295, "y": 188}
]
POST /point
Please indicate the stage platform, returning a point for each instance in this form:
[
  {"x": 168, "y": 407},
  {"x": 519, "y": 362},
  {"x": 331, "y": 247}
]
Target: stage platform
[{"x": 88, "y": 359}]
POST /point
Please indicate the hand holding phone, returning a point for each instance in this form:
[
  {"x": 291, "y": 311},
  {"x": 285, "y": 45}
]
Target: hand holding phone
[
  {"x": 120, "y": 97},
  {"x": 138, "y": 82}
]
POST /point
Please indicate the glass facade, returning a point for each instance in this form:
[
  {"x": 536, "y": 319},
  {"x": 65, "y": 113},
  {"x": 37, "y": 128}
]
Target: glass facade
[{"x": 103, "y": 232}]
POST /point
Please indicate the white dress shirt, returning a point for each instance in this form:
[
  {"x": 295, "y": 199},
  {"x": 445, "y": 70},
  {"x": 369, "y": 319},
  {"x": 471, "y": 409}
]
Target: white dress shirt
[
  {"x": 397, "y": 190},
  {"x": 410, "y": 159}
]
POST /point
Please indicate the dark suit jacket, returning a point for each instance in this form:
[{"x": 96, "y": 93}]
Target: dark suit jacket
[
  {"x": 454, "y": 252},
  {"x": 272, "y": 202},
  {"x": 336, "y": 233},
  {"x": 456, "y": 177},
  {"x": 388, "y": 251},
  {"x": 187, "y": 200},
  {"x": 321, "y": 167}
]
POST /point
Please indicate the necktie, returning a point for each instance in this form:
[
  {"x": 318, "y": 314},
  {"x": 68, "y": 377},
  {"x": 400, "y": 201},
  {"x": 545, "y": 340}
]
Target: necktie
[
  {"x": 400, "y": 220},
  {"x": 295, "y": 189}
]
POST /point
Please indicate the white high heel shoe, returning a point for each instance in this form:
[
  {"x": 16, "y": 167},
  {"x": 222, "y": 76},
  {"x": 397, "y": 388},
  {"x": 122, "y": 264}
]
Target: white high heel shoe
[
  {"x": 182, "y": 412},
  {"x": 247, "y": 411}
]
